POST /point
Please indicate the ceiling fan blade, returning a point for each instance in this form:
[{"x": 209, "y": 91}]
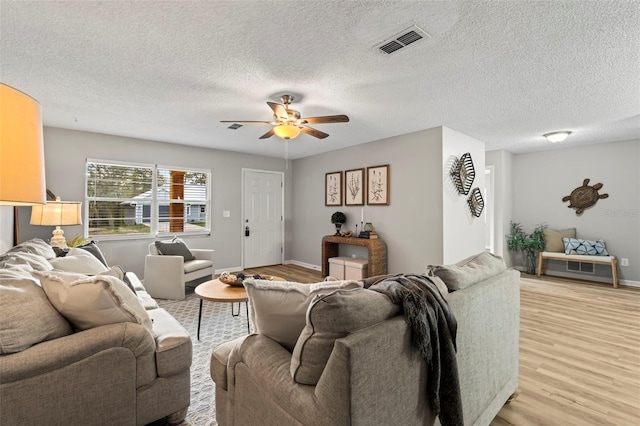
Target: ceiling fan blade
[
  {"x": 325, "y": 119},
  {"x": 279, "y": 110},
  {"x": 313, "y": 132},
  {"x": 267, "y": 135},
  {"x": 254, "y": 122}
]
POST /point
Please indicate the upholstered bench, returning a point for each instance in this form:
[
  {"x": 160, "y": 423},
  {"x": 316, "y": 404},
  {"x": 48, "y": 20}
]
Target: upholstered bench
[{"x": 601, "y": 260}]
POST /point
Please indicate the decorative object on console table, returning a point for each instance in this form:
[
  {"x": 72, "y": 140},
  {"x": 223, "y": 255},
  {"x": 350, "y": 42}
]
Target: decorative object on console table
[
  {"x": 376, "y": 249},
  {"x": 463, "y": 173},
  {"x": 584, "y": 196},
  {"x": 338, "y": 219},
  {"x": 333, "y": 189},
  {"x": 57, "y": 213},
  {"x": 378, "y": 185},
  {"x": 354, "y": 183}
]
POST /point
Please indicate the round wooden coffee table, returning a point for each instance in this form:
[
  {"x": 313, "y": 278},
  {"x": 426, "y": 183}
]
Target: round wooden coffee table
[{"x": 217, "y": 291}]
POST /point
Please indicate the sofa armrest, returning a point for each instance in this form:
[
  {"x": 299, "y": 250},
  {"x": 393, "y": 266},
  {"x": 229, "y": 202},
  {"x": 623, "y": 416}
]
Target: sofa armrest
[
  {"x": 203, "y": 254},
  {"x": 162, "y": 274},
  {"x": 65, "y": 351},
  {"x": 173, "y": 344}
]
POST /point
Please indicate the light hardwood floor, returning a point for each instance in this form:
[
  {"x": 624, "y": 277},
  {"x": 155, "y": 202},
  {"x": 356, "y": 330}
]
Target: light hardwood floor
[{"x": 579, "y": 351}]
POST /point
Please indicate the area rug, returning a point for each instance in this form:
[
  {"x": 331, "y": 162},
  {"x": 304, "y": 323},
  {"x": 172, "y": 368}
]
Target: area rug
[{"x": 218, "y": 326}]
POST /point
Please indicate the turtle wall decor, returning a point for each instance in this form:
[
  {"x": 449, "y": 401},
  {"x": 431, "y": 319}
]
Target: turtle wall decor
[{"x": 584, "y": 196}]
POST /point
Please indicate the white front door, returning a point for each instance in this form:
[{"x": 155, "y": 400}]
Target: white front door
[{"x": 263, "y": 218}]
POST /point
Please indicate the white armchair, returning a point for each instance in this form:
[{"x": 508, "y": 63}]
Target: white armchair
[{"x": 165, "y": 276}]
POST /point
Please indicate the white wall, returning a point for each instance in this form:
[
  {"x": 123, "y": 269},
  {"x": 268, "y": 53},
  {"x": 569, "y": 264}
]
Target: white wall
[
  {"x": 65, "y": 155},
  {"x": 412, "y": 225},
  {"x": 463, "y": 233},
  {"x": 502, "y": 162},
  {"x": 542, "y": 179},
  {"x": 6, "y": 228}
]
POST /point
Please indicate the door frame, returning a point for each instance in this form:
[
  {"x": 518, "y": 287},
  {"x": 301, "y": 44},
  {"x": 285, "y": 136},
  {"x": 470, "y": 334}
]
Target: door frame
[{"x": 242, "y": 212}]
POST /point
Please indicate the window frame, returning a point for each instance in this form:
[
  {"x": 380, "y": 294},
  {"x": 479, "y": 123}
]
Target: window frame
[{"x": 154, "y": 219}]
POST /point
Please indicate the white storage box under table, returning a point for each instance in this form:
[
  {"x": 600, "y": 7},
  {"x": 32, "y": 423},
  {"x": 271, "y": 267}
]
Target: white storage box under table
[{"x": 355, "y": 269}]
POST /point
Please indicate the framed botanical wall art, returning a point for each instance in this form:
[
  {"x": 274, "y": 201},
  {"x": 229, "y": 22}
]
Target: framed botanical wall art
[
  {"x": 333, "y": 189},
  {"x": 354, "y": 183},
  {"x": 378, "y": 185}
]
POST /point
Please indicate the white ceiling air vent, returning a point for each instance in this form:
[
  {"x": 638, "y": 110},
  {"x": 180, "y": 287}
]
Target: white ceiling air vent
[
  {"x": 234, "y": 126},
  {"x": 401, "y": 40}
]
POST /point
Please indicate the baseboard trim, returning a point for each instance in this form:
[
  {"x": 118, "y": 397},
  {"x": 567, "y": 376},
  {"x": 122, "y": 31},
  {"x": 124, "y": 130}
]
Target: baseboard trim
[
  {"x": 232, "y": 269},
  {"x": 604, "y": 280},
  {"x": 303, "y": 264}
]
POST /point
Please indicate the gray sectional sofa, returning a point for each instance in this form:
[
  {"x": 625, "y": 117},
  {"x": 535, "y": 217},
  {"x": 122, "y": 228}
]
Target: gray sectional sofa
[
  {"x": 85, "y": 349},
  {"x": 372, "y": 374}
]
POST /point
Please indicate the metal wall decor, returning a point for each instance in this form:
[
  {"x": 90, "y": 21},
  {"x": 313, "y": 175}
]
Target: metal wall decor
[
  {"x": 584, "y": 196},
  {"x": 463, "y": 173},
  {"x": 476, "y": 202}
]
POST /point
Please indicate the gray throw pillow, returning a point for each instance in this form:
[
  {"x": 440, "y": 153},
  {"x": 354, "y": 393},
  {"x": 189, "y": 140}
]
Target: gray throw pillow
[
  {"x": 26, "y": 315},
  {"x": 93, "y": 248},
  {"x": 177, "y": 248},
  {"x": 331, "y": 317},
  {"x": 469, "y": 271}
]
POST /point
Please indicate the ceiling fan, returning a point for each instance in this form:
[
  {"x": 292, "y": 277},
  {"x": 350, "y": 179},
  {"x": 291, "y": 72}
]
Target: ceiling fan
[{"x": 288, "y": 124}]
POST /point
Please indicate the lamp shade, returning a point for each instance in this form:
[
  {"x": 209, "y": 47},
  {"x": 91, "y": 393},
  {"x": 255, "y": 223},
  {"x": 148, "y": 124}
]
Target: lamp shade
[
  {"x": 286, "y": 131},
  {"x": 22, "y": 179},
  {"x": 57, "y": 213}
]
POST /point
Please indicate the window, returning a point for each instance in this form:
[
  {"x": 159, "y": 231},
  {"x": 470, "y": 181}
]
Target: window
[{"x": 127, "y": 199}]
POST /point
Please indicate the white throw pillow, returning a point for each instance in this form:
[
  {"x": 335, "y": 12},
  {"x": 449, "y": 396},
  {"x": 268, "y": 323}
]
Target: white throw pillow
[
  {"x": 279, "y": 308},
  {"x": 79, "y": 261},
  {"x": 89, "y": 302}
]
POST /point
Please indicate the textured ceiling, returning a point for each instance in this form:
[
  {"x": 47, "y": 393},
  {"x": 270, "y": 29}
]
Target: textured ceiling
[{"x": 501, "y": 72}]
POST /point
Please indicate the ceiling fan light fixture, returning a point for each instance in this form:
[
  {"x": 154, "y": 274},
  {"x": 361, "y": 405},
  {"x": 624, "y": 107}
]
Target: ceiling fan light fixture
[
  {"x": 286, "y": 131},
  {"x": 556, "y": 137}
]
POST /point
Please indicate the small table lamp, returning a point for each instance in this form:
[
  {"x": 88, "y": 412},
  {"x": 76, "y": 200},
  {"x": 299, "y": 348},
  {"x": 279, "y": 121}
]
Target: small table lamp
[{"x": 57, "y": 213}]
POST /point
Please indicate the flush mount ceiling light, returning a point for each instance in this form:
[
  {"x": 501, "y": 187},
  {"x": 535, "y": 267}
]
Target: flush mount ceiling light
[
  {"x": 555, "y": 137},
  {"x": 286, "y": 131}
]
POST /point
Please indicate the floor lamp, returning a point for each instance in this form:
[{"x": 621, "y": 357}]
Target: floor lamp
[{"x": 22, "y": 178}]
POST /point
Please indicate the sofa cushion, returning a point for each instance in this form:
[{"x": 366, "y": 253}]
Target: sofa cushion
[
  {"x": 89, "y": 302},
  {"x": 174, "y": 248},
  {"x": 330, "y": 317},
  {"x": 278, "y": 308},
  {"x": 79, "y": 261},
  {"x": 469, "y": 271},
  {"x": 26, "y": 315},
  {"x": 584, "y": 247},
  {"x": 35, "y": 246},
  {"x": 553, "y": 238},
  {"x": 37, "y": 262}
]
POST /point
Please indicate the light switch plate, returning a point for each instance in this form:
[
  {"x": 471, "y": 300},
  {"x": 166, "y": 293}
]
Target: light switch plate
[{"x": 226, "y": 213}]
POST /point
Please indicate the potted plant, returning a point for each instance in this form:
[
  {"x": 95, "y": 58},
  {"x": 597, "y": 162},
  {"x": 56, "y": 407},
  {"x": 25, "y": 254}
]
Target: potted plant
[
  {"x": 518, "y": 240},
  {"x": 338, "y": 219}
]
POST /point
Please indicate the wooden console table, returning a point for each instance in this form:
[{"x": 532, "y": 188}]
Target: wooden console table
[{"x": 376, "y": 248}]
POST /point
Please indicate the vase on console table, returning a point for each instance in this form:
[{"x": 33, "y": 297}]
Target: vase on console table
[{"x": 338, "y": 226}]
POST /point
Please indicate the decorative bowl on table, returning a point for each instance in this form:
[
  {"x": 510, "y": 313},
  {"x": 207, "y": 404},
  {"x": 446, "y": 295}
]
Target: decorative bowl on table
[
  {"x": 237, "y": 279},
  {"x": 231, "y": 279}
]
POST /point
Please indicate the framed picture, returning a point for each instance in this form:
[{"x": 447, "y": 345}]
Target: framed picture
[
  {"x": 354, "y": 183},
  {"x": 333, "y": 189},
  {"x": 378, "y": 185}
]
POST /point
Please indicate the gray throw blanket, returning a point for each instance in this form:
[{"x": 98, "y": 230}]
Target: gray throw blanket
[{"x": 433, "y": 333}]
